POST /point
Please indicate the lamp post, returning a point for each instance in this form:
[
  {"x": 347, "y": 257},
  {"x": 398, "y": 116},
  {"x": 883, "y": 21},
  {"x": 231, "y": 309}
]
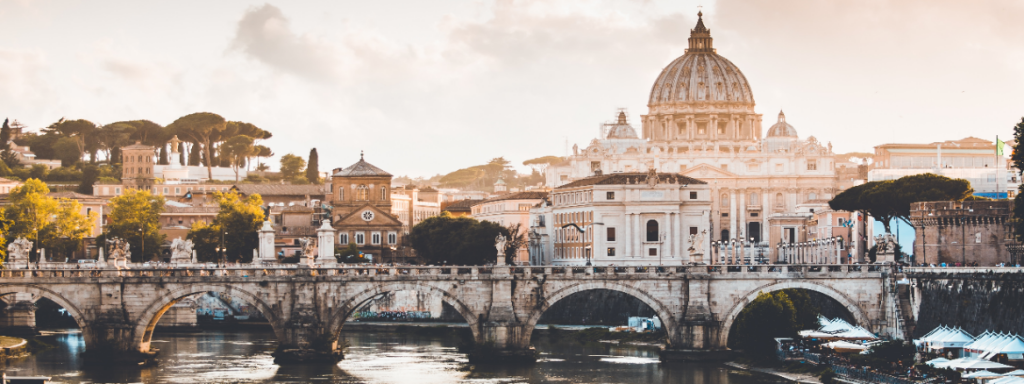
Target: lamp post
[
  {"x": 393, "y": 248},
  {"x": 142, "y": 241},
  {"x": 222, "y": 250}
]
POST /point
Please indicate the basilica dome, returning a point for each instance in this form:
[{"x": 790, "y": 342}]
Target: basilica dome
[
  {"x": 782, "y": 128},
  {"x": 701, "y": 75}
]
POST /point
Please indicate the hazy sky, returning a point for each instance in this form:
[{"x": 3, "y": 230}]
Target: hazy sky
[{"x": 428, "y": 87}]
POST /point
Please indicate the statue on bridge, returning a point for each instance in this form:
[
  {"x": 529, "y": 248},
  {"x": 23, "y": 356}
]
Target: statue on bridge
[
  {"x": 886, "y": 251},
  {"x": 181, "y": 251},
  {"x": 499, "y": 244},
  {"x": 697, "y": 244},
  {"x": 308, "y": 250},
  {"x": 17, "y": 252},
  {"x": 119, "y": 251}
]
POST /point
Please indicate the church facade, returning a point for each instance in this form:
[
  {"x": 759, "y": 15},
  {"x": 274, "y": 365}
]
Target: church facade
[
  {"x": 702, "y": 123},
  {"x": 360, "y": 197}
]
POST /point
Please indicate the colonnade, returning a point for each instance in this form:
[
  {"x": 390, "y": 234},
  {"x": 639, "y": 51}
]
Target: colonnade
[
  {"x": 736, "y": 252},
  {"x": 822, "y": 251}
]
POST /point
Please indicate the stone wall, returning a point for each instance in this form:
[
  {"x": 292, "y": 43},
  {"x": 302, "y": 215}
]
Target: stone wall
[
  {"x": 974, "y": 302},
  {"x": 971, "y": 231}
]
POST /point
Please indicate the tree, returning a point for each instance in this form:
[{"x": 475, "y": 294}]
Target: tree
[
  {"x": 5, "y": 227},
  {"x": 541, "y": 164},
  {"x": 516, "y": 241},
  {"x": 237, "y": 222},
  {"x": 200, "y": 127},
  {"x": 313, "y": 167},
  {"x": 349, "y": 254},
  {"x": 260, "y": 151},
  {"x": 90, "y": 173},
  {"x": 51, "y": 223},
  {"x": 181, "y": 153},
  {"x": 236, "y": 150},
  {"x": 891, "y": 199},
  {"x": 193, "y": 155},
  {"x": 135, "y": 217},
  {"x": 292, "y": 166},
  {"x": 111, "y": 137},
  {"x": 456, "y": 240},
  {"x": 67, "y": 151},
  {"x": 1017, "y": 156},
  {"x": 5, "y": 136},
  {"x": 163, "y": 155},
  {"x": 78, "y": 130},
  {"x": 205, "y": 240}
]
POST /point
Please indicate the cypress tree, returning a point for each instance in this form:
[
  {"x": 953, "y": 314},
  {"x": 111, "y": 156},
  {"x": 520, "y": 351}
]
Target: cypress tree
[
  {"x": 5, "y": 136},
  {"x": 163, "y": 155},
  {"x": 313, "y": 167},
  {"x": 181, "y": 153}
]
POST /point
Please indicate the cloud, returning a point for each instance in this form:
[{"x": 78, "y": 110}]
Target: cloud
[{"x": 264, "y": 34}]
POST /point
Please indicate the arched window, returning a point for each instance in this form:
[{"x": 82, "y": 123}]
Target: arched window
[
  {"x": 341, "y": 193},
  {"x": 753, "y": 198},
  {"x": 812, "y": 196},
  {"x": 778, "y": 199},
  {"x": 725, "y": 200},
  {"x": 384, "y": 193},
  {"x": 362, "y": 193},
  {"x": 652, "y": 230},
  {"x": 725, "y": 235}
]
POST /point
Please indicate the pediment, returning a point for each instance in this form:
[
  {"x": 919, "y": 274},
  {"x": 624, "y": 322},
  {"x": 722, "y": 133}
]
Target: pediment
[
  {"x": 380, "y": 218},
  {"x": 705, "y": 171}
]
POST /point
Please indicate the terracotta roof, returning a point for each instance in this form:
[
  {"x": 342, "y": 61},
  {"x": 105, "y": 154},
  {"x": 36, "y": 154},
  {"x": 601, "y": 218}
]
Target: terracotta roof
[
  {"x": 297, "y": 208},
  {"x": 362, "y": 168},
  {"x": 71, "y": 195},
  {"x": 631, "y": 178},
  {"x": 195, "y": 210},
  {"x": 138, "y": 145},
  {"x": 462, "y": 205},
  {"x": 517, "y": 196},
  {"x": 280, "y": 189}
]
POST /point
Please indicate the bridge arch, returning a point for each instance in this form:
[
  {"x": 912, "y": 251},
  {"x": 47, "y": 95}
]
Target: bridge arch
[
  {"x": 355, "y": 301},
  {"x": 668, "y": 320},
  {"x": 8, "y": 289},
  {"x": 148, "y": 318},
  {"x": 858, "y": 313}
]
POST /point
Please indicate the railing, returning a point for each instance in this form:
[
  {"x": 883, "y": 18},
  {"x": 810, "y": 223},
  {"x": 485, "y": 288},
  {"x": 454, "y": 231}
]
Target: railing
[
  {"x": 362, "y": 271},
  {"x": 863, "y": 374},
  {"x": 963, "y": 269}
]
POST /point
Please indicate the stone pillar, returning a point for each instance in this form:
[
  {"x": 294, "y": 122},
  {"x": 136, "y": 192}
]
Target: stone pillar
[
  {"x": 638, "y": 245},
  {"x": 19, "y": 318},
  {"x": 732, "y": 214},
  {"x": 766, "y": 232},
  {"x": 627, "y": 241},
  {"x": 502, "y": 337},
  {"x": 266, "y": 234},
  {"x": 325, "y": 245},
  {"x": 667, "y": 242},
  {"x": 678, "y": 235}
]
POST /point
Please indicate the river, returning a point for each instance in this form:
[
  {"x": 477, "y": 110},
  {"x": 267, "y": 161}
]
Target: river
[{"x": 371, "y": 357}]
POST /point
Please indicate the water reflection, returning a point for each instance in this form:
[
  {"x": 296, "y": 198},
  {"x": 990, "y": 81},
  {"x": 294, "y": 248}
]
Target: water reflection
[{"x": 244, "y": 357}]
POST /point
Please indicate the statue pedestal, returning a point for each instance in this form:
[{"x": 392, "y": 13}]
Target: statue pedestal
[
  {"x": 267, "y": 255},
  {"x": 325, "y": 245}
]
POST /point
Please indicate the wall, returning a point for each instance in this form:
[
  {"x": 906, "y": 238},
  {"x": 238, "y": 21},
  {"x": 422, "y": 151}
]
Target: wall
[{"x": 975, "y": 302}]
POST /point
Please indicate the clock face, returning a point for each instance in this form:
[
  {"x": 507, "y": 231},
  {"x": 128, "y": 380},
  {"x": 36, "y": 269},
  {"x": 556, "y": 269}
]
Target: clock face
[{"x": 367, "y": 215}]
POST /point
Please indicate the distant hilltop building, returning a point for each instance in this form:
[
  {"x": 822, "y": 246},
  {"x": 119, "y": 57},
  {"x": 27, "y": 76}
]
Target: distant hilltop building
[{"x": 702, "y": 124}]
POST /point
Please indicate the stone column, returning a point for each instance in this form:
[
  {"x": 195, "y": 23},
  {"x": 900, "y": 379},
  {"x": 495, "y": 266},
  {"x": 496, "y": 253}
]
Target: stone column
[
  {"x": 765, "y": 231},
  {"x": 638, "y": 246},
  {"x": 266, "y": 235},
  {"x": 19, "y": 318},
  {"x": 741, "y": 219},
  {"x": 732, "y": 214},
  {"x": 677, "y": 235},
  {"x": 667, "y": 242},
  {"x": 325, "y": 245},
  {"x": 627, "y": 241}
]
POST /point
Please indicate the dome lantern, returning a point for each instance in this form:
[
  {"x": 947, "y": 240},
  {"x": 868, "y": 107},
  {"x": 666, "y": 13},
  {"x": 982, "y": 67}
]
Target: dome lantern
[{"x": 700, "y": 37}]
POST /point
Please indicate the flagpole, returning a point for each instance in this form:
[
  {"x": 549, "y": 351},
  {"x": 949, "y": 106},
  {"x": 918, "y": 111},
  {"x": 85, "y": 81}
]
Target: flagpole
[{"x": 998, "y": 191}]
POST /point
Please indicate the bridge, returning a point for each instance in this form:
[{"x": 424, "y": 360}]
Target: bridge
[{"x": 117, "y": 309}]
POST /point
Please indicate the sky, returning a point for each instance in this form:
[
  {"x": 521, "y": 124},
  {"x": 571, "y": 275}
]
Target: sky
[{"x": 428, "y": 87}]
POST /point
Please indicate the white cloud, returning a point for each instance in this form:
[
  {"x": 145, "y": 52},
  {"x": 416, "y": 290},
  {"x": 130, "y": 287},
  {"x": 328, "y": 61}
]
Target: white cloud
[{"x": 265, "y": 34}]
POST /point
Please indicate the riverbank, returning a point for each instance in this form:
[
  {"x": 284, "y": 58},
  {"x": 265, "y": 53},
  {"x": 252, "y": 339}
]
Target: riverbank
[
  {"x": 12, "y": 347},
  {"x": 801, "y": 378}
]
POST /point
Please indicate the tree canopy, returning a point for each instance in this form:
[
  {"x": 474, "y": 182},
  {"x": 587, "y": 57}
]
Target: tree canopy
[
  {"x": 135, "y": 216},
  {"x": 237, "y": 149},
  {"x": 775, "y": 314},
  {"x": 452, "y": 240},
  {"x": 292, "y": 166},
  {"x": 313, "y": 167},
  {"x": 890, "y": 199},
  {"x": 56, "y": 224},
  {"x": 238, "y": 221},
  {"x": 200, "y": 128}
]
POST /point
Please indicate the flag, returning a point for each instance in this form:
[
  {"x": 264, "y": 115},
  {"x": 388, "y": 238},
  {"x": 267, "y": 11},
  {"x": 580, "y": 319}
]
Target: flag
[{"x": 999, "y": 146}]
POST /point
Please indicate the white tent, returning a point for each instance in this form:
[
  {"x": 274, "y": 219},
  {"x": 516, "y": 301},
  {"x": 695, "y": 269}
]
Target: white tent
[
  {"x": 985, "y": 364},
  {"x": 1019, "y": 372},
  {"x": 1007, "y": 380},
  {"x": 981, "y": 374},
  {"x": 845, "y": 346},
  {"x": 954, "y": 338},
  {"x": 940, "y": 360}
]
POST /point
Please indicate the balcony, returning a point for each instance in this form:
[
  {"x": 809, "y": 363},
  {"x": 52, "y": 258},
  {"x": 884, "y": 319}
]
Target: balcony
[{"x": 753, "y": 207}]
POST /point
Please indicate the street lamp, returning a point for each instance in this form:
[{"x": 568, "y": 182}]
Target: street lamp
[
  {"x": 222, "y": 250},
  {"x": 142, "y": 240},
  {"x": 393, "y": 248}
]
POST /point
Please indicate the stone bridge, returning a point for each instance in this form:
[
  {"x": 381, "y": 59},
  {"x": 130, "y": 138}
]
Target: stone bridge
[{"x": 117, "y": 310}]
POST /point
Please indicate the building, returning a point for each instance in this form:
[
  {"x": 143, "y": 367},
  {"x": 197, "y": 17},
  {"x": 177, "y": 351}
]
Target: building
[
  {"x": 460, "y": 208},
  {"x": 953, "y": 232},
  {"x": 361, "y": 209},
  {"x": 628, "y": 218},
  {"x": 137, "y": 166},
  {"x": 450, "y": 195},
  {"x": 90, "y": 205},
  {"x": 510, "y": 209},
  {"x": 970, "y": 158},
  {"x": 702, "y": 123},
  {"x": 412, "y": 205},
  {"x": 6, "y": 185}
]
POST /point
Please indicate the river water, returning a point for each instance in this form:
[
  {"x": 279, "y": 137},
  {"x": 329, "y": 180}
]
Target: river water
[{"x": 371, "y": 357}]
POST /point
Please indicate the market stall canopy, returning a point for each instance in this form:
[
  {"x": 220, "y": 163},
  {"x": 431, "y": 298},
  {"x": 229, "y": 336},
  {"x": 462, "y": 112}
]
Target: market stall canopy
[
  {"x": 940, "y": 360},
  {"x": 981, "y": 374}
]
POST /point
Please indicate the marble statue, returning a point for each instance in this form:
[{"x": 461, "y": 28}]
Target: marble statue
[
  {"x": 697, "y": 243},
  {"x": 499, "y": 244},
  {"x": 308, "y": 245},
  {"x": 17, "y": 251},
  {"x": 181, "y": 250}
]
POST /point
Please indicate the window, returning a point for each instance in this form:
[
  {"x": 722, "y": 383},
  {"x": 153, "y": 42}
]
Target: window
[
  {"x": 840, "y": 221},
  {"x": 383, "y": 193},
  {"x": 812, "y": 196},
  {"x": 88, "y": 211},
  {"x": 701, "y": 131},
  {"x": 611, "y": 234},
  {"x": 725, "y": 234},
  {"x": 721, "y": 130},
  {"x": 611, "y": 251},
  {"x": 753, "y": 167},
  {"x": 360, "y": 239},
  {"x": 753, "y": 198},
  {"x": 652, "y": 251},
  {"x": 375, "y": 238},
  {"x": 177, "y": 190},
  {"x": 753, "y": 214},
  {"x": 341, "y": 193},
  {"x": 362, "y": 193},
  {"x": 652, "y": 230},
  {"x": 693, "y": 230},
  {"x": 165, "y": 190},
  {"x": 343, "y": 239},
  {"x": 725, "y": 200},
  {"x": 693, "y": 195},
  {"x": 725, "y": 214},
  {"x": 392, "y": 238},
  {"x": 812, "y": 165},
  {"x": 609, "y": 196},
  {"x": 117, "y": 191}
]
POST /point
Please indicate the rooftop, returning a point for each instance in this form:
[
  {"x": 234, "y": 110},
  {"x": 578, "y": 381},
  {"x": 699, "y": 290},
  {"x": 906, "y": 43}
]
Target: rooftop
[
  {"x": 462, "y": 205},
  {"x": 280, "y": 189},
  {"x": 515, "y": 196},
  {"x": 631, "y": 178},
  {"x": 362, "y": 168}
]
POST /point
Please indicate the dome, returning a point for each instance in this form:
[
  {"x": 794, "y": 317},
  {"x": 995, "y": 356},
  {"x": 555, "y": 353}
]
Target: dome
[
  {"x": 701, "y": 75},
  {"x": 782, "y": 128},
  {"x": 621, "y": 129}
]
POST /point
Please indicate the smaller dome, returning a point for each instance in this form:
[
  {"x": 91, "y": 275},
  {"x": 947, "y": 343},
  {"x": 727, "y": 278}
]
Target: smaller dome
[
  {"x": 621, "y": 129},
  {"x": 782, "y": 128}
]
